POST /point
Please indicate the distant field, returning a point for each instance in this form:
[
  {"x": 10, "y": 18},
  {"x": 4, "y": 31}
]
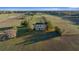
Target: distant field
[
  {"x": 65, "y": 25},
  {"x": 6, "y": 20},
  {"x": 6, "y": 16}
]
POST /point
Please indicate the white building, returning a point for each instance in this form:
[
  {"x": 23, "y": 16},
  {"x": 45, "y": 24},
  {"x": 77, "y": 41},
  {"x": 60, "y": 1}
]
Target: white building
[{"x": 40, "y": 26}]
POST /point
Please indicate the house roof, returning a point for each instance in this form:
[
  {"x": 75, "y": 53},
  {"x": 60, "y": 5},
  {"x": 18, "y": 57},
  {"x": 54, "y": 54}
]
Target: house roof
[{"x": 41, "y": 23}]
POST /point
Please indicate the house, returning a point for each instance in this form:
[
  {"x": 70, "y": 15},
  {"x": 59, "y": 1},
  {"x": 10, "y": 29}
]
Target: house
[{"x": 40, "y": 26}]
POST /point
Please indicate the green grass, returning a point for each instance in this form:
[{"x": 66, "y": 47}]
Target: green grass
[{"x": 6, "y": 16}]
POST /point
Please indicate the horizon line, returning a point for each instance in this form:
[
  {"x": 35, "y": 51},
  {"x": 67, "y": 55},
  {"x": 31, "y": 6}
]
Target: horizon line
[{"x": 39, "y": 8}]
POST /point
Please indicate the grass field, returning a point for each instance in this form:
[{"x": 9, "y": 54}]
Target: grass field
[
  {"x": 9, "y": 20},
  {"x": 35, "y": 41}
]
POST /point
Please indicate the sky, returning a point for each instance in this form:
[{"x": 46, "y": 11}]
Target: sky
[
  {"x": 39, "y": 3},
  {"x": 40, "y": 8}
]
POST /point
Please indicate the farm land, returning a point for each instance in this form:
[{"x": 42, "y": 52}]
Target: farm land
[{"x": 30, "y": 40}]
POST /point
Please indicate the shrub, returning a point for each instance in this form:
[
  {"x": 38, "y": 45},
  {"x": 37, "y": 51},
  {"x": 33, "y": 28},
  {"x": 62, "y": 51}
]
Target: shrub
[
  {"x": 58, "y": 30},
  {"x": 49, "y": 26},
  {"x": 24, "y": 23}
]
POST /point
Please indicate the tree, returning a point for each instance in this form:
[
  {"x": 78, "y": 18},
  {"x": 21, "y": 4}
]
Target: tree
[
  {"x": 58, "y": 30},
  {"x": 24, "y": 23},
  {"x": 49, "y": 24}
]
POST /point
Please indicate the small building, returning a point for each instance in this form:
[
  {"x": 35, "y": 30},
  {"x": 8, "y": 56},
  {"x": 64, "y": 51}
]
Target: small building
[{"x": 40, "y": 26}]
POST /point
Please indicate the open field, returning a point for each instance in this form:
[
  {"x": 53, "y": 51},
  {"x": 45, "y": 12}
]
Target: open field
[
  {"x": 9, "y": 20},
  {"x": 39, "y": 41}
]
